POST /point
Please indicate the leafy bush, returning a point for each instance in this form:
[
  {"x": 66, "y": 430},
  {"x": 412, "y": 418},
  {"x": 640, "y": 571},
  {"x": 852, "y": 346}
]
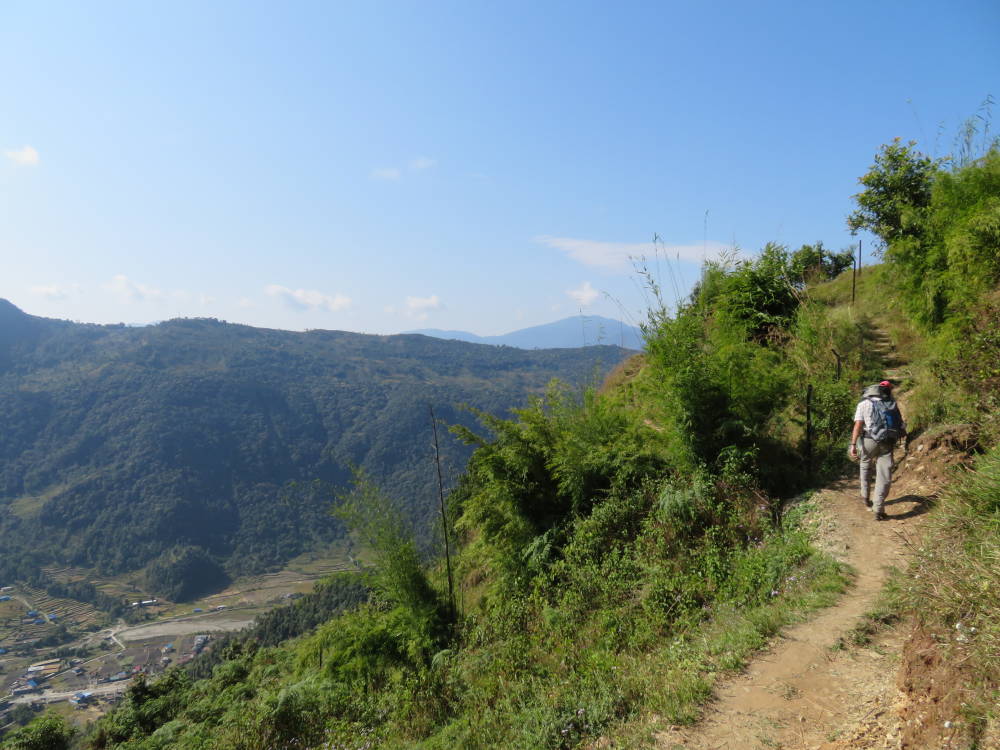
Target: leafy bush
[{"x": 44, "y": 733}]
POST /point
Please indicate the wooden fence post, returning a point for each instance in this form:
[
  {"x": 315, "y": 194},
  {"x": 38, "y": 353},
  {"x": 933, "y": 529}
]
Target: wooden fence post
[{"x": 809, "y": 440}]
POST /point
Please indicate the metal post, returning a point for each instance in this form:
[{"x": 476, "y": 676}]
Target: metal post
[{"x": 837, "y": 355}]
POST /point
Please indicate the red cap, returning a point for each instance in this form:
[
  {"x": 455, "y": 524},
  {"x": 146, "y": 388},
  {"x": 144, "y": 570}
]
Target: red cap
[{"x": 885, "y": 384}]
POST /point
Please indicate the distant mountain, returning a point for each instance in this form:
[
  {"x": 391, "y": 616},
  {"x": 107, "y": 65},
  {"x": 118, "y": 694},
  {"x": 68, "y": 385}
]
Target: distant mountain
[
  {"x": 568, "y": 333},
  {"x": 190, "y": 448}
]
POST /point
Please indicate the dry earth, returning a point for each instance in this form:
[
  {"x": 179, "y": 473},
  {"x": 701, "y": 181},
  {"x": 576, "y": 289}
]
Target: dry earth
[
  {"x": 814, "y": 689},
  {"x": 187, "y": 626}
]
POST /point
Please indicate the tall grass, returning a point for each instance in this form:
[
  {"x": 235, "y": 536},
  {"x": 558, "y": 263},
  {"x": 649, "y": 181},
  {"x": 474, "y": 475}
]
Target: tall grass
[{"x": 953, "y": 584}]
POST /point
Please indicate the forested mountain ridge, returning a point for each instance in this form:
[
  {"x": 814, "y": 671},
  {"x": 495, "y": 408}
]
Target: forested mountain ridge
[{"x": 186, "y": 444}]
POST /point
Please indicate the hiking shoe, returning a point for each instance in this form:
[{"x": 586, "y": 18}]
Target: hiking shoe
[
  {"x": 868, "y": 502},
  {"x": 881, "y": 516}
]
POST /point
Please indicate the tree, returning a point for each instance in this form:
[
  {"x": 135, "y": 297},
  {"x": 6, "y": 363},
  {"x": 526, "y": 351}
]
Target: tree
[
  {"x": 816, "y": 263},
  {"x": 897, "y": 191},
  {"x": 44, "y": 733}
]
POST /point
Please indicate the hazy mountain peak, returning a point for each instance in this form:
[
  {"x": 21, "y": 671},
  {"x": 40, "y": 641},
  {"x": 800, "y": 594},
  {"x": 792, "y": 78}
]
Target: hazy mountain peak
[{"x": 568, "y": 333}]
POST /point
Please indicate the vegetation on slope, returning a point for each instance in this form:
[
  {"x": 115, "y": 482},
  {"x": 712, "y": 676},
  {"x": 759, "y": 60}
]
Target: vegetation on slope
[
  {"x": 603, "y": 542},
  {"x": 618, "y": 551},
  {"x": 941, "y": 239},
  {"x": 191, "y": 447}
]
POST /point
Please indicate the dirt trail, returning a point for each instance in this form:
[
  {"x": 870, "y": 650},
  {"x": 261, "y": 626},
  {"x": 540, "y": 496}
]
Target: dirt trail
[{"x": 809, "y": 691}]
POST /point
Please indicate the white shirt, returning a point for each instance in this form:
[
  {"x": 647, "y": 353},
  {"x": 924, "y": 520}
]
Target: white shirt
[{"x": 865, "y": 411}]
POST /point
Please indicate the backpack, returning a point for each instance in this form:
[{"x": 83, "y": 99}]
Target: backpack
[{"x": 887, "y": 422}]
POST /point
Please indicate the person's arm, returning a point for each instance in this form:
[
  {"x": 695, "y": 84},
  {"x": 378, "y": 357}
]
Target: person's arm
[{"x": 859, "y": 425}]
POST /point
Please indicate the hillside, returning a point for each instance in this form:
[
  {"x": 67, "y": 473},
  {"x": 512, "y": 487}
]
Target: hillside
[
  {"x": 620, "y": 557},
  {"x": 195, "y": 445},
  {"x": 580, "y": 330}
]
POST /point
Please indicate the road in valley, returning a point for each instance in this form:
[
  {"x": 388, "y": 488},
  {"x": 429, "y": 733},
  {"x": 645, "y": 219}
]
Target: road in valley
[{"x": 187, "y": 625}]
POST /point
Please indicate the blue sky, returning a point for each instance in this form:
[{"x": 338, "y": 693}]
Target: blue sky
[{"x": 381, "y": 167}]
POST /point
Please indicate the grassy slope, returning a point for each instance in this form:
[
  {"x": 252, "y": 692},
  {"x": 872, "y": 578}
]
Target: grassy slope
[
  {"x": 653, "y": 594},
  {"x": 586, "y": 651}
]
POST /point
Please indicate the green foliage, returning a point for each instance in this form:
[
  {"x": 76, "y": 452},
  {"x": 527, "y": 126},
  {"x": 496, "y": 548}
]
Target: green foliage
[
  {"x": 183, "y": 573},
  {"x": 944, "y": 265},
  {"x": 332, "y": 596},
  {"x": 617, "y": 551},
  {"x": 941, "y": 229},
  {"x": 44, "y": 733},
  {"x": 199, "y": 441},
  {"x": 552, "y": 463},
  {"x": 814, "y": 263},
  {"x": 22, "y": 713},
  {"x": 398, "y": 576},
  {"x": 719, "y": 382},
  {"x": 760, "y": 294},
  {"x": 897, "y": 190},
  {"x": 954, "y": 583}
]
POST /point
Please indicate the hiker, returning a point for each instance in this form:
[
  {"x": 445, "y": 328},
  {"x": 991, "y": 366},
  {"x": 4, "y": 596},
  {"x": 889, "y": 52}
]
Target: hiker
[{"x": 877, "y": 426}]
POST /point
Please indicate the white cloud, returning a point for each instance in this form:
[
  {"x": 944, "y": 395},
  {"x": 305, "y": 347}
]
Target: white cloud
[
  {"x": 131, "y": 291},
  {"x": 584, "y": 295},
  {"x": 419, "y": 304},
  {"x": 245, "y": 302},
  {"x": 308, "y": 299},
  {"x": 419, "y": 308},
  {"x": 26, "y": 156},
  {"x": 387, "y": 174},
  {"x": 422, "y": 162},
  {"x": 56, "y": 291},
  {"x": 618, "y": 256}
]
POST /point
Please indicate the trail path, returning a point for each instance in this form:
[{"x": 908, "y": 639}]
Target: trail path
[{"x": 812, "y": 690}]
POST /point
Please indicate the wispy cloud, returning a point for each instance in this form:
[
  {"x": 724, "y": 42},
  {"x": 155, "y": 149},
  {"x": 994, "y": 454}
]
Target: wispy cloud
[
  {"x": 585, "y": 294},
  {"x": 419, "y": 307},
  {"x": 618, "y": 256},
  {"x": 131, "y": 291},
  {"x": 394, "y": 174},
  {"x": 386, "y": 174},
  {"x": 56, "y": 291},
  {"x": 308, "y": 299},
  {"x": 422, "y": 162},
  {"x": 26, "y": 156}
]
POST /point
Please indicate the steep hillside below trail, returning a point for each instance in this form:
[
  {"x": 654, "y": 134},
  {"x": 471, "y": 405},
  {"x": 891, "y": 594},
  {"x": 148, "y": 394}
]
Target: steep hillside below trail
[{"x": 813, "y": 689}]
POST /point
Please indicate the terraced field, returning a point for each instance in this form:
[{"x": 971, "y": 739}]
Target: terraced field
[{"x": 69, "y": 611}]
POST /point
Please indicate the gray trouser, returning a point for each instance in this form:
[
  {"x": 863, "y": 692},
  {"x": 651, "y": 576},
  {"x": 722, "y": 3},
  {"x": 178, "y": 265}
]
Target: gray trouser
[{"x": 879, "y": 454}]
